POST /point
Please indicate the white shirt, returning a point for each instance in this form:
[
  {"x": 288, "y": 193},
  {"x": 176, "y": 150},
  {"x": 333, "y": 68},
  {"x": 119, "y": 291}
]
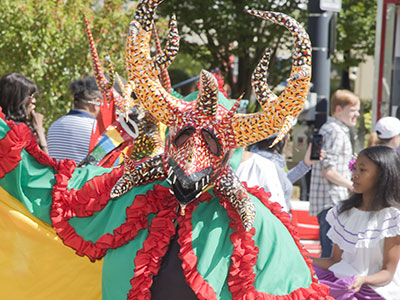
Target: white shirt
[
  {"x": 259, "y": 171},
  {"x": 361, "y": 235}
]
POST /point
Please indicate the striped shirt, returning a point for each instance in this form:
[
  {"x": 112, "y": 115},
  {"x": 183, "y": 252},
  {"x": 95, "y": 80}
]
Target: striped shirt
[
  {"x": 337, "y": 155},
  {"x": 69, "y": 136}
]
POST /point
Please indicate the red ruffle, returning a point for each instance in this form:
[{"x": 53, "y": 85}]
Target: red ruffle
[
  {"x": 93, "y": 197},
  {"x": 16, "y": 139},
  {"x": 241, "y": 274},
  {"x": 200, "y": 287},
  {"x": 161, "y": 230}
]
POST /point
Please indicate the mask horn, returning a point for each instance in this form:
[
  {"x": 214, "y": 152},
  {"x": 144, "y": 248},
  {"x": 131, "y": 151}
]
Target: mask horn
[
  {"x": 207, "y": 101},
  {"x": 278, "y": 112},
  {"x": 104, "y": 85},
  {"x": 142, "y": 70}
]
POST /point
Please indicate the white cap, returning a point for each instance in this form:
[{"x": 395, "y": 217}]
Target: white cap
[{"x": 387, "y": 127}]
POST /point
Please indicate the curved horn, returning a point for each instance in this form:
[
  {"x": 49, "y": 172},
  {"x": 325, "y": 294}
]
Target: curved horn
[
  {"x": 166, "y": 57},
  {"x": 278, "y": 115},
  {"x": 140, "y": 66},
  {"x": 164, "y": 76},
  {"x": 263, "y": 93},
  {"x": 110, "y": 70},
  {"x": 101, "y": 80},
  {"x": 207, "y": 101}
]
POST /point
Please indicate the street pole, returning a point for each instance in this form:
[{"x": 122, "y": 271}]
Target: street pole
[{"x": 319, "y": 31}]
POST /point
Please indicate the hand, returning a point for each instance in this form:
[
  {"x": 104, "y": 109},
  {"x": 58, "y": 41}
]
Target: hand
[
  {"x": 37, "y": 123},
  {"x": 37, "y": 120},
  {"x": 308, "y": 162},
  {"x": 357, "y": 283}
]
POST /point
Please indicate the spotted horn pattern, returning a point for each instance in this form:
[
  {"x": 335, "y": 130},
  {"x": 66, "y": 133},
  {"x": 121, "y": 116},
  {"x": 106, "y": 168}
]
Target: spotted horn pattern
[{"x": 278, "y": 113}]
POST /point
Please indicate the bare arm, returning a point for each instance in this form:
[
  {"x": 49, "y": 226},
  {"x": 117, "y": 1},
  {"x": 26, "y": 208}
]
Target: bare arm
[
  {"x": 335, "y": 177},
  {"x": 326, "y": 262},
  {"x": 37, "y": 122},
  {"x": 391, "y": 256}
]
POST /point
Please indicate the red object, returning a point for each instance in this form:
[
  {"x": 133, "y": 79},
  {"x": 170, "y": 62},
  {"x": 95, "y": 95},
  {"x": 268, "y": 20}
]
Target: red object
[
  {"x": 307, "y": 229},
  {"x": 105, "y": 118}
]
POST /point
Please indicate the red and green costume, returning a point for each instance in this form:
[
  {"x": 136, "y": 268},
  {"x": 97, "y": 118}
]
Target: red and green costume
[
  {"x": 220, "y": 260},
  {"x": 181, "y": 217}
]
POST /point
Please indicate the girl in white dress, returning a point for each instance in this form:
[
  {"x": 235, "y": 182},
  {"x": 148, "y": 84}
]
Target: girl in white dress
[{"x": 365, "y": 230}]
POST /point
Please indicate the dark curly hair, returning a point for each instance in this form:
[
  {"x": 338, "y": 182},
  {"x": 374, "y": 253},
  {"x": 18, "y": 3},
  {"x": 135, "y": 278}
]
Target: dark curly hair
[
  {"x": 84, "y": 90},
  {"x": 387, "y": 183},
  {"x": 15, "y": 88}
]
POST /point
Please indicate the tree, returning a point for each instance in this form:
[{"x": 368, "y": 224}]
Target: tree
[
  {"x": 355, "y": 36},
  {"x": 212, "y": 31},
  {"x": 46, "y": 41}
]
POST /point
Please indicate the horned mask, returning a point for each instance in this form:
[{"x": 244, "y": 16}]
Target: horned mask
[{"x": 203, "y": 133}]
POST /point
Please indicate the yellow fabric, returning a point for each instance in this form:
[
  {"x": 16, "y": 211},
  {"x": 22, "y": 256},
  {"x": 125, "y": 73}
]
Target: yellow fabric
[{"x": 34, "y": 263}]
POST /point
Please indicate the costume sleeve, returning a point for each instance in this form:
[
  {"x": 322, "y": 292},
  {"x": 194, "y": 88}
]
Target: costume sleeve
[{"x": 75, "y": 201}]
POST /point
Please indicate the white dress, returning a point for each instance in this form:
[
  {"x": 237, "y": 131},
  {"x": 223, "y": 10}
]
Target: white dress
[
  {"x": 361, "y": 234},
  {"x": 259, "y": 171}
]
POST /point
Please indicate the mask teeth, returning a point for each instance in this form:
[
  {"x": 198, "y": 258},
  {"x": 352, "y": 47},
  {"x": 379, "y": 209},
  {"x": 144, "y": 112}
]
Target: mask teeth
[
  {"x": 172, "y": 192},
  {"x": 197, "y": 185},
  {"x": 198, "y": 195},
  {"x": 174, "y": 179}
]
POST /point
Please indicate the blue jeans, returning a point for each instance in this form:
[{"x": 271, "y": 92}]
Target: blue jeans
[{"x": 326, "y": 243}]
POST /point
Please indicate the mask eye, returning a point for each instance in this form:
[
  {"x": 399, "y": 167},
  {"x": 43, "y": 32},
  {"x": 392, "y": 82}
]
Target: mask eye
[
  {"x": 183, "y": 135},
  {"x": 212, "y": 142}
]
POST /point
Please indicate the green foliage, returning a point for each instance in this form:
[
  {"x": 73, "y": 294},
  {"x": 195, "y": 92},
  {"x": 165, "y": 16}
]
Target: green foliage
[
  {"x": 212, "y": 31},
  {"x": 355, "y": 33},
  {"x": 46, "y": 41}
]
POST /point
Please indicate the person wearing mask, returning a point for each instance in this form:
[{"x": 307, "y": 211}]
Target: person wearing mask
[
  {"x": 69, "y": 136},
  {"x": 331, "y": 177}
]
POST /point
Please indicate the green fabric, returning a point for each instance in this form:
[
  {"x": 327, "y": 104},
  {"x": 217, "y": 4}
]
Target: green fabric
[
  {"x": 211, "y": 235},
  {"x": 84, "y": 174},
  {"x": 118, "y": 267},
  {"x": 236, "y": 158},
  {"x": 176, "y": 94},
  {"x": 278, "y": 251},
  {"x": 32, "y": 184},
  {"x": 109, "y": 218},
  {"x": 3, "y": 128}
]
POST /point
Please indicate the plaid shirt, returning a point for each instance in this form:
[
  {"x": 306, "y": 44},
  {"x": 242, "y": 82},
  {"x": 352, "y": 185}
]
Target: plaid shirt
[{"x": 337, "y": 155}]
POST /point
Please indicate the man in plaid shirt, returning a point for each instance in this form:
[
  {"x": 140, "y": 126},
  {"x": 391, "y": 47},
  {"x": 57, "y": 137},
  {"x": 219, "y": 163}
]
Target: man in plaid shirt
[{"x": 331, "y": 177}]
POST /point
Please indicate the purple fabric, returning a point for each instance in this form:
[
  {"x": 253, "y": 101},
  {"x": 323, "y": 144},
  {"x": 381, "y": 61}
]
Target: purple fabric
[{"x": 339, "y": 288}]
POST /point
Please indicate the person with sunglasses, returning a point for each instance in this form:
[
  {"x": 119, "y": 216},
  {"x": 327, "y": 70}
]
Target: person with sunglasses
[{"x": 18, "y": 103}]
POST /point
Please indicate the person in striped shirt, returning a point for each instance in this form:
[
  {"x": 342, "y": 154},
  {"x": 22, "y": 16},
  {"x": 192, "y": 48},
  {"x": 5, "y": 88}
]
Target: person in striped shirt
[{"x": 69, "y": 136}]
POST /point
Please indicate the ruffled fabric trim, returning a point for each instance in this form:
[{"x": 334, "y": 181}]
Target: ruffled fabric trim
[
  {"x": 16, "y": 139},
  {"x": 161, "y": 230},
  {"x": 356, "y": 228},
  {"x": 198, "y": 284},
  {"x": 241, "y": 274}
]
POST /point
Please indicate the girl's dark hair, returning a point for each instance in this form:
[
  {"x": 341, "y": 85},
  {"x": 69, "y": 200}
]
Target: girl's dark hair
[
  {"x": 387, "y": 182},
  {"x": 266, "y": 144},
  {"x": 15, "y": 88}
]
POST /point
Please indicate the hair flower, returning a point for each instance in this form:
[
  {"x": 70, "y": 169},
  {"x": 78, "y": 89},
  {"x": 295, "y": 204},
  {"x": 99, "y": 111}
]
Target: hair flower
[{"x": 352, "y": 162}]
